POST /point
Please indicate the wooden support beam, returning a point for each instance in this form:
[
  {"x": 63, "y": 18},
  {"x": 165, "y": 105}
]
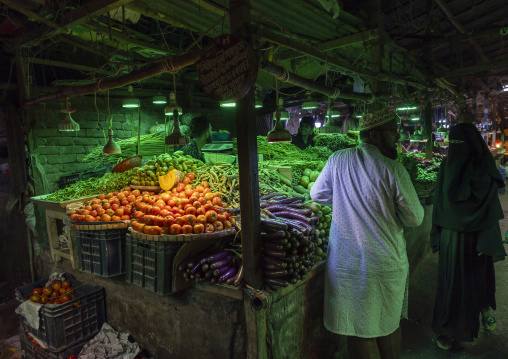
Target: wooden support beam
[
  {"x": 313, "y": 52},
  {"x": 129, "y": 39},
  {"x": 471, "y": 35},
  {"x": 281, "y": 72},
  {"x": 467, "y": 70},
  {"x": 67, "y": 65},
  {"x": 348, "y": 40},
  {"x": 18, "y": 6},
  {"x": 80, "y": 16},
  {"x": 461, "y": 28}
]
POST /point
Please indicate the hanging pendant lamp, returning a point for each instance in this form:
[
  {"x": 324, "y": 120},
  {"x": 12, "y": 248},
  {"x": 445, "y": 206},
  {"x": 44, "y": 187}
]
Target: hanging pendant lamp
[
  {"x": 130, "y": 101},
  {"x": 279, "y": 133},
  {"x": 159, "y": 99},
  {"x": 176, "y": 138},
  {"x": 68, "y": 124},
  {"x": 329, "y": 127},
  {"x": 111, "y": 147},
  {"x": 172, "y": 105},
  {"x": 309, "y": 104},
  {"x": 284, "y": 115}
]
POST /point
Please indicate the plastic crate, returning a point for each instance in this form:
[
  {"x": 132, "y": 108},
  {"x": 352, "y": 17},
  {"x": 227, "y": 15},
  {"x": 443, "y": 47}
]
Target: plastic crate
[
  {"x": 149, "y": 264},
  {"x": 101, "y": 252},
  {"x": 32, "y": 351},
  {"x": 63, "y": 326}
]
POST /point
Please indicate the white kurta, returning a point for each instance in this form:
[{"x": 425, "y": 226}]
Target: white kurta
[{"x": 367, "y": 267}]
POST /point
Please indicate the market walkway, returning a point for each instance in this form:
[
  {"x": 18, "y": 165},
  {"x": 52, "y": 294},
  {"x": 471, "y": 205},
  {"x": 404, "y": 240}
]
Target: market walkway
[{"x": 419, "y": 341}]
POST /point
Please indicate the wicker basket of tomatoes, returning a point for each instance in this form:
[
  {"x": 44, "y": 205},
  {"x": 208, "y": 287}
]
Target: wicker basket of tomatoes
[{"x": 185, "y": 213}]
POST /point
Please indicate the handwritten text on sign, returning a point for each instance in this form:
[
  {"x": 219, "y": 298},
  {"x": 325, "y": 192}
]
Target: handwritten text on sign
[{"x": 228, "y": 71}]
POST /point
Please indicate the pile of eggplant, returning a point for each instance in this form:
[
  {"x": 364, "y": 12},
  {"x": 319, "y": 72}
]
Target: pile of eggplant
[
  {"x": 324, "y": 214},
  {"x": 219, "y": 267},
  {"x": 290, "y": 236}
]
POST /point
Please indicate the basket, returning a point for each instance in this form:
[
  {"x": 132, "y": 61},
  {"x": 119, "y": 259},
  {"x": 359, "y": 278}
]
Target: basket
[
  {"x": 63, "y": 326},
  {"x": 183, "y": 237},
  {"x": 150, "y": 264},
  {"x": 101, "y": 252},
  {"x": 127, "y": 164},
  {"x": 32, "y": 351}
]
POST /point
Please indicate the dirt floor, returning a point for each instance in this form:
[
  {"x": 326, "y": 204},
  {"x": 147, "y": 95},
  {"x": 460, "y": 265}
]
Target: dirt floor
[{"x": 419, "y": 340}]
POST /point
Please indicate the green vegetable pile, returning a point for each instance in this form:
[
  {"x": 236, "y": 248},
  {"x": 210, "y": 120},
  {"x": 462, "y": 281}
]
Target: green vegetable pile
[
  {"x": 277, "y": 150},
  {"x": 110, "y": 182},
  {"x": 317, "y": 153},
  {"x": 410, "y": 162},
  {"x": 335, "y": 142},
  {"x": 152, "y": 144}
]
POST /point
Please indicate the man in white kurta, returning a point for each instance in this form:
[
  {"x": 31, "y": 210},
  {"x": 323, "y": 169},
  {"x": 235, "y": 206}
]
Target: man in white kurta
[{"x": 367, "y": 266}]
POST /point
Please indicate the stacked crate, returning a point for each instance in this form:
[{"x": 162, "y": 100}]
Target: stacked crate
[{"x": 63, "y": 328}]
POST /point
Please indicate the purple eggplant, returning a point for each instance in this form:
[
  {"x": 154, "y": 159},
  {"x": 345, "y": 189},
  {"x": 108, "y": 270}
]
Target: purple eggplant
[
  {"x": 273, "y": 224},
  {"x": 277, "y": 282},
  {"x": 282, "y": 208},
  {"x": 217, "y": 257},
  {"x": 274, "y": 247},
  {"x": 228, "y": 274},
  {"x": 219, "y": 271},
  {"x": 270, "y": 195},
  {"x": 274, "y": 253},
  {"x": 274, "y": 261},
  {"x": 220, "y": 263},
  {"x": 293, "y": 200},
  {"x": 278, "y": 273},
  {"x": 292, "y": 215},
  {"x": 274, "y": 235}
]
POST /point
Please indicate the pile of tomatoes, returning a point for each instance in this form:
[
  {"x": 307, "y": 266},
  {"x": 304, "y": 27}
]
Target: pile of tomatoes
[
  {"x": 111, "y": 207},
  {"x": 58, "y": 293},
  {"x": 183, "y": 210}
]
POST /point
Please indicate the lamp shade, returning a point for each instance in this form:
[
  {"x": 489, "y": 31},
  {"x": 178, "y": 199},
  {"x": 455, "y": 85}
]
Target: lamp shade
[
  {"x": 159, "y": 99},
  {"x": 309, "y": 105},
  {"x": 403, "y": 136},
  {"x": 111, "y": 148},
  {"x": 332, "y": 113},
  {"x": 258, "y": 104},
  {"x": 68, "y": 124},
  {"x": 130, "y": 101},
  {"x": 172, "y": 106},
  {"x": 227, "y": 104}
]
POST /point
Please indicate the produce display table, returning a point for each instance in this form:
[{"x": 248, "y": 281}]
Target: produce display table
[{"x": 55, "y": 215}]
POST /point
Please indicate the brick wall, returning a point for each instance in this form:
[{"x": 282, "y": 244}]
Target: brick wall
[{"x": 59, "y": 153}]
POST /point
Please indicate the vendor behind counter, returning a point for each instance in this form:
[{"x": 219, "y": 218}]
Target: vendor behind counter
[
  {"x": 202, "y": 134},
  {"x": 305, "y": 137}
]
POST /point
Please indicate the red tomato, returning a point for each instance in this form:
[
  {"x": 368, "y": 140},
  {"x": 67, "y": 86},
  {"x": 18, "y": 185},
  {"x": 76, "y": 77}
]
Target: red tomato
[
  {"x": 180, "y": 221},
  {"x": 200, "y": 211},
  {"x": 222, "y": 218},
  {"x": 155, "y": 230},
  {"x": 175, "y": 229},
  {"x": 190, "y": 219},
  {"x": 57, "y": 285},
  {"x": 216, "y": 201},
  {"x": 201, "y": 219},
  {"x": 165, "y": 230},
  {"x": 168, "y": 221},
  {"x": 205, "y": 185},
  {"x": 191, "y": 176},
  {"x": 155, "y": 211},
  {"x": 187, "y": 229},
  {"x": 37, "y": 291},
  {"x": 147, "y": 229},
  {"x": 218, "y": 226},
  {"x": 198, "y": 228},
  {"x": 209, "y": 227},
  {"x": 186, "y": 180},
  {"x": 159, "y": 221},
  {"x": 191, "y": 210},
  {"x": 105, "y": 218},
  {"x": 211, "y": 216}
]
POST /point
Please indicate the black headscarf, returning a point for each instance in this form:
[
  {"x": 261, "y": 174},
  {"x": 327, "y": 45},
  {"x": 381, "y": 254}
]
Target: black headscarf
[{"x": 466, "y": 198}]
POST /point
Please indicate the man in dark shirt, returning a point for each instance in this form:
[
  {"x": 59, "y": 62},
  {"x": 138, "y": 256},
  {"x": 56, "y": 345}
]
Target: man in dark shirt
[
  {"x": 304, "y": 138},
  {"x": 202, "y": 134}
]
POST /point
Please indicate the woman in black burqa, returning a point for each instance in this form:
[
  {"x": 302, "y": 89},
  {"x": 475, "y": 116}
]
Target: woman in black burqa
[{"x": 466, "y": 233}]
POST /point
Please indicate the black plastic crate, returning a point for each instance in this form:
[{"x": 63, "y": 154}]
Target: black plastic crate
[
  {"x": 101, "y": 252},
  {"x": 32, "y": 351},
  {"x": 149, "y": 264},
  {"x": 63, "y": 326}
]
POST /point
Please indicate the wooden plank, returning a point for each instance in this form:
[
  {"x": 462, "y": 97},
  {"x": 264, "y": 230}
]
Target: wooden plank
[
  {"x": 80, "y": 16},
  {"x": 16, "y": 5},
  {"x": 350, "y": 40},
  {"x": 313, "y": 52},
  {"x": 68, "y": 65}
]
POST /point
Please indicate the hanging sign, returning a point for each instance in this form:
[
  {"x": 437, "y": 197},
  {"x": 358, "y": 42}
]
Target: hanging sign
[{"x": 229, "y": 69}]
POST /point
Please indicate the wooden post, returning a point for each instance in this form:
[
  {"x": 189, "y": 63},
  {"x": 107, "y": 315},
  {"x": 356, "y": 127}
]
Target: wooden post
[
  {"x": 247, "y": 162},
  {"x": 249, "y": 191},
  {"x": 428, "y": 128}
]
